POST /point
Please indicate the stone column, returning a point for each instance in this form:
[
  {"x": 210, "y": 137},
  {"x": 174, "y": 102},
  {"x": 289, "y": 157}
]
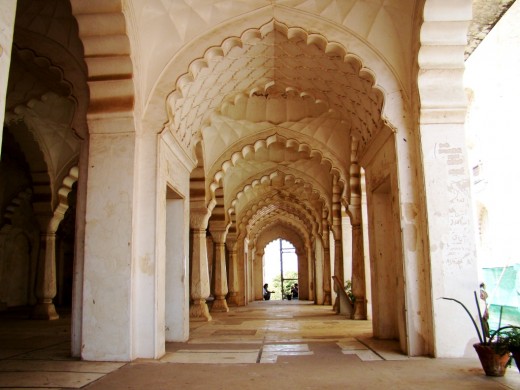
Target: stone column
[
  {"x": 241, "y": 266},
  {"x": 7, "y": 16},
  {"x": 199, "y": 264},
  {"x": 338, "y": 261},
  {"x": 358, "y": 253},
  {"x": 449, "y": 225},
  {"x": 46, "y": 279},
  {"x": 327, "y": 275},
  {"x": 338, "y": 243},
  {"x": 232, "y": 272},
  {"x": 358, "y": 267},
  {"x": 258, "y": 275},
  {"x": 219, "y": 271},
  {"x": 250, "y": 272}
]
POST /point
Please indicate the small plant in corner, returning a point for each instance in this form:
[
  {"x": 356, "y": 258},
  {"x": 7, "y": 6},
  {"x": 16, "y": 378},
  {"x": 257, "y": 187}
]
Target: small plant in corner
[
  {"x": 348, "y": 290},
  {"x": 492, "y": 348}
]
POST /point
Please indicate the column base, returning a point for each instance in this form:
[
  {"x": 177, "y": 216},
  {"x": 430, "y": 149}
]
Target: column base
[
  {"x": 327, "y": 300},
  {"x": 199, "y": 311},
  {"x": 220, "y": 305},
  {"x": 232, "y": 299},
  {"x": 44, "y": 311},
  {"x": 360, "y": 309},
  {"x": 335, "y": 307}
]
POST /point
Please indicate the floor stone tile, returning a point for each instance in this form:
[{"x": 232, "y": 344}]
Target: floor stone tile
[
  {"x": 286, "y": 348},
  {"x": 364, "y": 355},
  {"x": 38, "y": 379},
  {"x": 211, "y": 356},
  {"x": 59, "y": 366}
]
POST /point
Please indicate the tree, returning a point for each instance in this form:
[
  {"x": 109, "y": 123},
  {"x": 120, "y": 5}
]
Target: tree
[{"x": 289, "y": 279}]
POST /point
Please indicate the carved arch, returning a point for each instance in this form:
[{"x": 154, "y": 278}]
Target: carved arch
[{"x": 367, "y": 117}]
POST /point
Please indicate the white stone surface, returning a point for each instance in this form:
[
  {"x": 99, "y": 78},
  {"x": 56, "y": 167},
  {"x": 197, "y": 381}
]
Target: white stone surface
[{"x": 6, "y": 39}]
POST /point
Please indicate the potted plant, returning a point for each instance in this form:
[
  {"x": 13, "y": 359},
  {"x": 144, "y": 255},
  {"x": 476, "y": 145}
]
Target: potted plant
[
  {"x": 493, "y": 347},
  {"x": 288, "y": 293},
  {"x": 512, "y": 338}
]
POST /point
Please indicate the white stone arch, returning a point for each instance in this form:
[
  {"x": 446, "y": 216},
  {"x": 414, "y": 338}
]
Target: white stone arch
[
  {"x": 266, "y": 207},
  {"x": 306, "y": 150},
  {"x": 264, "y": 182},
  {"x": 394, "y": 88}
]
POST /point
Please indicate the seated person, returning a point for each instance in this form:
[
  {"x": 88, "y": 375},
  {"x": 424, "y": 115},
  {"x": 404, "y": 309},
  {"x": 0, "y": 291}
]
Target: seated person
[
  {"x": 294, "y": 291},
  {"x": 267, "y": 293}
]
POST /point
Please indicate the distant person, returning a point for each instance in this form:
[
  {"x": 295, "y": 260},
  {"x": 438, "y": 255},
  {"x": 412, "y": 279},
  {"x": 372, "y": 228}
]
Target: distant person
[
  {"x": 267, "y": 293},
  {"x": 294, "y": 291}
]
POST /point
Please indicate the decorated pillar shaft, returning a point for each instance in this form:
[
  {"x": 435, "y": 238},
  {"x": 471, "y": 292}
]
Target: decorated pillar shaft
[
  {"x": 358, "y": 273},
  {"x": 220, "y": 276},
  {"x": 46, "y": 279},
  {"x": 358, "y": 253},
  {"x": 327, "y": 275},
  {"x": 232, "y": 274},
  {"x": 219, "y": 270},
  {"x": 199, "y": 265}
]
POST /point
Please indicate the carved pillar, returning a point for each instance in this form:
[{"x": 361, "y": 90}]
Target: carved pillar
[
  {"x": 199, "y": 264},
  {"x": 358, "y": 268},
  {"x": 358, "y": 253},
  {"x": 250, "y": 271},
  {"x": 241, "y": 266},
  {"x": 327, "y": 297},
  {"x": 338, "y": 261},
  {"x": 46, "y": 279},
  {"x": 338, "y": 243},
  {"x": 232, "y": 272},
  {"x": 219, "y": 271},
  {"x": 258, "y": 275}
]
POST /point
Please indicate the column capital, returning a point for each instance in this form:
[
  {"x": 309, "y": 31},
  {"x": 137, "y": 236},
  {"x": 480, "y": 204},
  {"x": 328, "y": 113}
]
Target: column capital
[
  {"x": 218, "y": 231},
  {"x": 199, "y": 216}
]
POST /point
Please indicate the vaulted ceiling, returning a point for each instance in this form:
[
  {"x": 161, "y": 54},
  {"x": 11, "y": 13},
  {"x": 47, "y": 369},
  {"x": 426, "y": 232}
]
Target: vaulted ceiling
[{"x": 277, "y": 113}]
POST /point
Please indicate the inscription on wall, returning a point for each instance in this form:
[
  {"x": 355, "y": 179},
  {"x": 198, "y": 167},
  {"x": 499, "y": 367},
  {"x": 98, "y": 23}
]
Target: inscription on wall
[{"x": 459, "y": 249}]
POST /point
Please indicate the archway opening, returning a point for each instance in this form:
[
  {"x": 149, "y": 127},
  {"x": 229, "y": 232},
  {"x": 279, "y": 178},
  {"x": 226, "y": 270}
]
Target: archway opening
[{"x": 280, "y": 269}]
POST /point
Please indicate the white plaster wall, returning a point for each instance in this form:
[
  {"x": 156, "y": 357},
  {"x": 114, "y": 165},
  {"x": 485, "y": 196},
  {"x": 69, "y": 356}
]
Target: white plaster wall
[
  {"x": 173, "y": 245},
  {"x": 452, "y": 248},
  {"x": 447, "y": 224},
  {"x": 7, "y": 15},
  {"x": 148, "y": 333},
  {"x": 107, "y": 294},
  {"x": 388, "y": 260},
  {"x": 493, "y": 77}
]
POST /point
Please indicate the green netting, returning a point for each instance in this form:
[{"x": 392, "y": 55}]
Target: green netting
[{"x": 503, "y": 288}]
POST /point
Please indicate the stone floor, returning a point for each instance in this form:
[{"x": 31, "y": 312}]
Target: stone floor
[{"x": 289, "y": 345}]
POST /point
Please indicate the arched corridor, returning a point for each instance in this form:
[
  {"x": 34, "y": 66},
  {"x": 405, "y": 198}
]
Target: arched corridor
[{"x": 185, "y": 136}]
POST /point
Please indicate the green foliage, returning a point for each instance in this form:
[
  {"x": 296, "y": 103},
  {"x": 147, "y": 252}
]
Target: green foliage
[
  {"x": 348, "y": 290},
  {"x": 276, "y": 284}
]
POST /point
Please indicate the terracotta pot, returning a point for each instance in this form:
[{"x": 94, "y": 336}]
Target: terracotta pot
[{"x": 493, "y": 363}]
